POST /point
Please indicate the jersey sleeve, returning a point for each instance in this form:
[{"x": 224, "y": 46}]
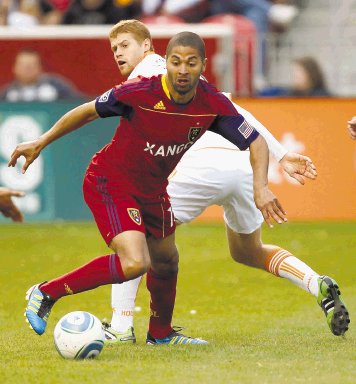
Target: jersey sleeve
[
  {"x": 275, "y": 147},
  {"x": 109, "y": 104},
  {"x": 230, "y": 124},
  {"x": 235, "y": 129}
]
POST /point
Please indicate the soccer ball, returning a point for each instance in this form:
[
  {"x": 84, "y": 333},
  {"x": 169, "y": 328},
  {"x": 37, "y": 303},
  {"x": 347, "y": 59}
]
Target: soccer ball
[{"x": 79, "y": 335}]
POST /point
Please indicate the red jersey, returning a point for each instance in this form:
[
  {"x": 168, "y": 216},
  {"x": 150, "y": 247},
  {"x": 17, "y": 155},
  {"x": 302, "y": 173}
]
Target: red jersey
[{"x": 154, "y": 132}]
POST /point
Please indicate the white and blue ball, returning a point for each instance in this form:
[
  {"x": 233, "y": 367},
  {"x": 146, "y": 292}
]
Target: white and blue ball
[{"x": 79, "y": 335}]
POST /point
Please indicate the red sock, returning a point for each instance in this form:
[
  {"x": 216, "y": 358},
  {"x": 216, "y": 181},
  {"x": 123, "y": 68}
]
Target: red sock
[
  {"x": 100, "y": 271},
  {"x": 163, "y": 294}
]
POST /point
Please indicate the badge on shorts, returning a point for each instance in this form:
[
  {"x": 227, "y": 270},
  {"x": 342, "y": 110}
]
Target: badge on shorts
[
  {"x": 134, "y": 215},
  {"x": 193, "y": 133}
]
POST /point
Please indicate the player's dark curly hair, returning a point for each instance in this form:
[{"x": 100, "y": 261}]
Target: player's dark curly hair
[{"x": 187, "y": 39}]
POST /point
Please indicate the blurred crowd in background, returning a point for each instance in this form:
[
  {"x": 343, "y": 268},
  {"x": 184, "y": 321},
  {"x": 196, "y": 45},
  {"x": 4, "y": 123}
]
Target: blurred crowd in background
[
  {"x": 267, "y": 16},
  {"x": 34, "y": 12}
]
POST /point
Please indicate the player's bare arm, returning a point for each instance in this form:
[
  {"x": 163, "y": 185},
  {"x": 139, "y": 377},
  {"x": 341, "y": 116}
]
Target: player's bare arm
[
  {"x": 7, "y": 206},
  {"x": 69, "y": 122},
  {"x": 351, "y": 127},
  {"x": 265, "y": 200},
  {"x": 298, "y": 167}
]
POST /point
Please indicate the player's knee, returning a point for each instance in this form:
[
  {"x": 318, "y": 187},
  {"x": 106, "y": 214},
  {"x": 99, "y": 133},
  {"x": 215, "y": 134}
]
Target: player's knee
[
  {"x": 166, "y": 264},
  {"x": 239, "y": 255},
  {"x": 245, "y": 248},
  {"x": 250, "y": 256},
  {"x": 166, "y": 269},
  {"x": 245, "y": 252},
  {"x": 136, "y": 266}
]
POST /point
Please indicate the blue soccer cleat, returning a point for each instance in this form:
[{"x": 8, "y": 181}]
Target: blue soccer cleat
[
  {"x": 38, "y": 309},
  {"x": 175, "y": 337}
]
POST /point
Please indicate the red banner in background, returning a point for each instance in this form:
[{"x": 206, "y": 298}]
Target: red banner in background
[
  {"x": 87, "y": 63},
  {"x": 316, "y": 128}
]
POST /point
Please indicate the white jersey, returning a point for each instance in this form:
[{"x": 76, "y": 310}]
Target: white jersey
[{"x": 153, "y": 65}]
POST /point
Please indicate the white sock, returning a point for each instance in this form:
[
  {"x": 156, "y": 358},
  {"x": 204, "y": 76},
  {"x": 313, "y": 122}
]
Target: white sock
[
  {"x": 123, "y": 298},
  {"x": 286, "y": 265}
]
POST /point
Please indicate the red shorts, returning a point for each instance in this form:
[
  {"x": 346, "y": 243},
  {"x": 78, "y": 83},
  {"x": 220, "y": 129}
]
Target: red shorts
[{"x": 116, "y": 211}]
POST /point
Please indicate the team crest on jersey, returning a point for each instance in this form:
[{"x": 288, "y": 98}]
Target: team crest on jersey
[
  {"x": 134, "y": 215},
  {"x": 193, "y": 133}
]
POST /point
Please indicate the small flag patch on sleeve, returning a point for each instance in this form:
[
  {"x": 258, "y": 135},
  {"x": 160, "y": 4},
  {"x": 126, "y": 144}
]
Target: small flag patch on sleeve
[{"x": 245, "y": 129}]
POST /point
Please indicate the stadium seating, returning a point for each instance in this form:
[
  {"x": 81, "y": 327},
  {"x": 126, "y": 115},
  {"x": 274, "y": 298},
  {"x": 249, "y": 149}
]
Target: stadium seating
[
  {"x": 244, "y": 48},
  {"x": 162, "y": 19}
]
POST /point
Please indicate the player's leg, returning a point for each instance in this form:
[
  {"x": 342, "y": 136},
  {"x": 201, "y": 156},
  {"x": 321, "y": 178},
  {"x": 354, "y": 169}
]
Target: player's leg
[
  {"x": 189, "y": 197},
  {"x": 248, "y": 249},
  {"x": 132, "y": 262},
  {"x": 106, "y": 269},
  {"x": 243, "y": 221},
  {"x": 121, "y": 327},
  {"x": 119, "y": 222},
  {"x": 161, "y": 283}
]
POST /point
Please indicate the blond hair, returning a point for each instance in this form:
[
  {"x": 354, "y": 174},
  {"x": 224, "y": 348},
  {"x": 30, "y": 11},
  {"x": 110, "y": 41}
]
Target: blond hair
[{"x": 135, "y": 27}]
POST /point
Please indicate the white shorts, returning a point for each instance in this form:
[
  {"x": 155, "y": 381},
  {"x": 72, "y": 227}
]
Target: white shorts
[{"x": 215, "y": 175}]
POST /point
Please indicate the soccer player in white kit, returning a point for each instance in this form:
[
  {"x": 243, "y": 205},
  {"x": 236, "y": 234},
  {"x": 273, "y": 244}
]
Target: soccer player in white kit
[{"x": 202, "y": 179}]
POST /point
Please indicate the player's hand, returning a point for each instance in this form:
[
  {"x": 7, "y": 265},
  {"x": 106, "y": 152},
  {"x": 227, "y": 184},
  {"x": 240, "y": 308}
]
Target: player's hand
[
  {"x": 269, "y": 205},
  {"x": 298, "y": 167},
  {"x": 351, "y": 127},
  {"x": 7, "y": 207},
  {"x": 30, "y": 150}
]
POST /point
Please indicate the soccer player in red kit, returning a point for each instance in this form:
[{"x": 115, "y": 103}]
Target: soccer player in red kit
[{"x": 125, "y": 183}]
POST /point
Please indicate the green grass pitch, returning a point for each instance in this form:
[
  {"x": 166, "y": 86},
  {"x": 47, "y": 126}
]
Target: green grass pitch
[{"x": 261, "y": 329}]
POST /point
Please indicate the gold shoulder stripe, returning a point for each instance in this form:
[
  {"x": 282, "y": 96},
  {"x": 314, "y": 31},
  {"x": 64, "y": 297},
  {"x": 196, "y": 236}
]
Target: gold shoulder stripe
[{"x": 165, "y": 87}]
